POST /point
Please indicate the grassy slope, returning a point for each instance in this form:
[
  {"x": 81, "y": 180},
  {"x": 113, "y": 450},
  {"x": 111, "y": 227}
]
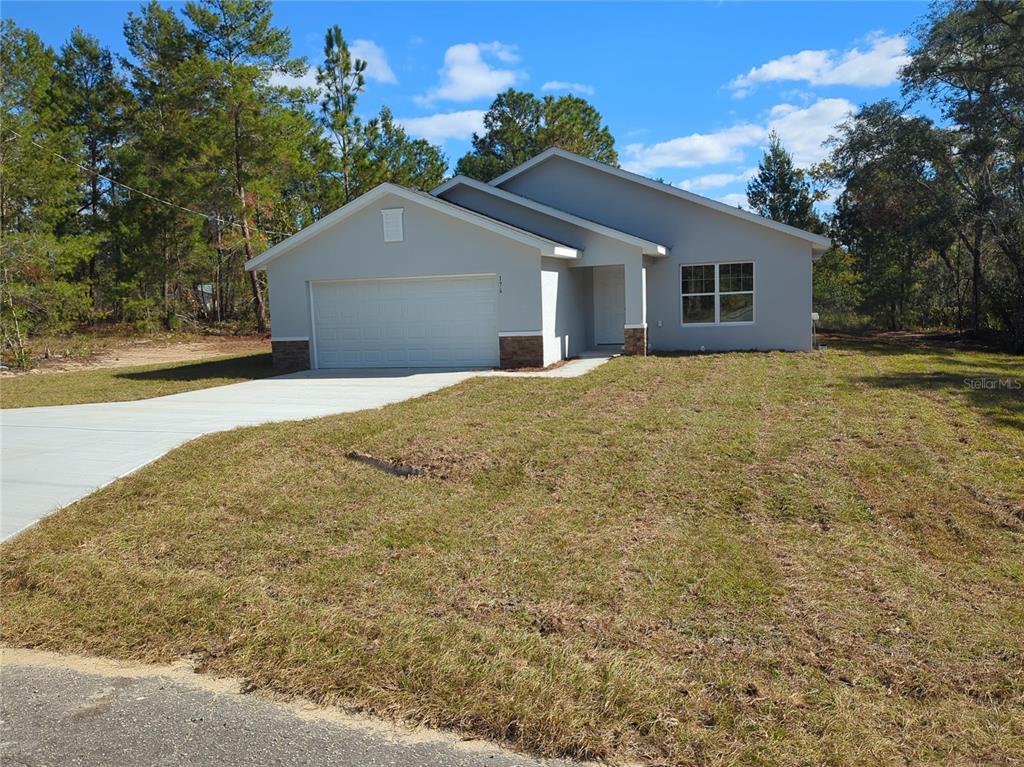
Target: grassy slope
[
  {"x": 744, "y": 558},
  {"x": 117, "y": 384}
]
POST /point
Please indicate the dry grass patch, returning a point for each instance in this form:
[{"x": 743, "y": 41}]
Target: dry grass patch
[{"x": 742, "y": 558}]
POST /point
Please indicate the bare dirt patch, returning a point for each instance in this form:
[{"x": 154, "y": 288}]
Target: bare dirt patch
[
  {"x": 130, "y": 352},
  {"x": 390, "y": 467}
]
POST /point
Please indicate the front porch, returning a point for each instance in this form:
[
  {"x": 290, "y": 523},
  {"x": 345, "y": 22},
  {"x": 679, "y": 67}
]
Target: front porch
[{"x": 616, "y": 306}]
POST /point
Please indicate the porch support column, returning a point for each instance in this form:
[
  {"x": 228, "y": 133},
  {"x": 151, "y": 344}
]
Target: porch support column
[{"x": 635, "y": 331}]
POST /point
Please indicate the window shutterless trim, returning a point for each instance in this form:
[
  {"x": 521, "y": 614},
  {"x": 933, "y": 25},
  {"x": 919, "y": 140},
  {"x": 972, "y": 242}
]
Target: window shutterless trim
[{"x": 718, "y": 295}]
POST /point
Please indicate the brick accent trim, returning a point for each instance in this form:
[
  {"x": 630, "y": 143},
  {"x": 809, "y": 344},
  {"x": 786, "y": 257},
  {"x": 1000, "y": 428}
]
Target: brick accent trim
[
  {"x": 521, "y": 351},
  {"x": 290, "y": 355},
  {"x": 635, "y": 341}
]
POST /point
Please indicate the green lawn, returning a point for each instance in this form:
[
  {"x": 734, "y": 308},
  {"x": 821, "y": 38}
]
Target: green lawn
[
  {"x": 759, "y": 559},
  {"x": 116, "y": 384}
]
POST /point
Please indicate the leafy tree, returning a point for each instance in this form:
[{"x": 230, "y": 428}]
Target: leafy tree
[
  {"x": 969, "y": 63},
  {"x": 511, "y": 125},
  {"x": 519, "y": 126},
  {"x": 837, "y": 286},
  {"x": 780, "y": 190},
  {"x": 888, "y": 215}
]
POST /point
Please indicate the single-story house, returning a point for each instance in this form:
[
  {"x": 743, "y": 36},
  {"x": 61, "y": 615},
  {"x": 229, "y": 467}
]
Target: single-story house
[{"x": 557, "y": 256}]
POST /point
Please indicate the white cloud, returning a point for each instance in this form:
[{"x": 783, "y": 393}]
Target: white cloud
[
  {"x": 562, "y": 85},
  {"x": 736, "y": 200},
  {"x": 448, "y": 125},
  {"x": 377, "y": 67},
  {"x": 468, "y": 75},
  {"x": 803, "y": 129},
  {"x": 716, "y": 180},
  {"x": 306, "y": 80},
  {"x": 878, "y": 65},
  {"x": 694, "y": 150}
]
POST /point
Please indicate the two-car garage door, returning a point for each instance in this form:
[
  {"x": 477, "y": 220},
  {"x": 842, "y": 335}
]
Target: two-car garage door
[{"x": 422, "y": 322}]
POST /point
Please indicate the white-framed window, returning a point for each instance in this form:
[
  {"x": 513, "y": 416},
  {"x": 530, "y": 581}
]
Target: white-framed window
[{"x": 717, "y": 294}]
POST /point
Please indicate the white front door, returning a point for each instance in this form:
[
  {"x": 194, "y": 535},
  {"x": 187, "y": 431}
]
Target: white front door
[
  {"x": 422, "y": 322},
  {"x": 609, "y": 304}
]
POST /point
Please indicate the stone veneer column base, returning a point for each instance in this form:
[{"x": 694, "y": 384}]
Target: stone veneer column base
[
  {"x": 290, "y": 355},
  {"x": 521, "y": 351},
  {"x": 635, "y": 341}
]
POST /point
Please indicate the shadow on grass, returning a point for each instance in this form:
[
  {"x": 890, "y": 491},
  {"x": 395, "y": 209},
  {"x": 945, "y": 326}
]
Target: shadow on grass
[
  {"x": 907, "y": 342},
  {"x": 250, "y": 366},
  {"x": 997, "y": 394}
]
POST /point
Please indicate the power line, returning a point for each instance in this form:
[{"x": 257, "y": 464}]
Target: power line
[{"x": 147, "y": 195}]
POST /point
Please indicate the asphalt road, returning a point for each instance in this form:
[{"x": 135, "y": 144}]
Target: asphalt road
[{"x": 80, "y": 716}]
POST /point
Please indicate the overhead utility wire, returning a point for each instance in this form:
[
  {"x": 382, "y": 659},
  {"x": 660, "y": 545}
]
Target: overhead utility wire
[{"x": 147, "y": 195}]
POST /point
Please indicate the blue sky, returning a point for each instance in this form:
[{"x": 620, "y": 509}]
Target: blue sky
[{"x": 689, "y": 90}]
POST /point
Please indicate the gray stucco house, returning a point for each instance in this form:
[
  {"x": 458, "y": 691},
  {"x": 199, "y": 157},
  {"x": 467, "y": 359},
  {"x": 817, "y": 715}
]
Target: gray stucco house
[{"x": 557, "y": 256}]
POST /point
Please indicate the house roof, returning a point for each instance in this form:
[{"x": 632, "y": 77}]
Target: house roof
[
  {"x": 819, "y": 244},
  {"x": 648, "y": 247},
  {"x": 544, "y": 245}
]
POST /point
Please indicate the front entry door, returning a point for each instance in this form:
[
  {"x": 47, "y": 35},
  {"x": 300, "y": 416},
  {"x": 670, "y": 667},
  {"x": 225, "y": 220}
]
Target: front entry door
[{"x": 609, "y": 304}]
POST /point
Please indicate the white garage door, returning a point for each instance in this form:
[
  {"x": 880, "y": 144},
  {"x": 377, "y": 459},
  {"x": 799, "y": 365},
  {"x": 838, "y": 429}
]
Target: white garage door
[{"x": 434, "y": 322}]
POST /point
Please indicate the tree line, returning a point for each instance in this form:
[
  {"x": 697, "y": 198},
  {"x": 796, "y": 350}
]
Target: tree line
[
  {"x": 929, "y": 219},
  {"x": 133, "y": 188}
]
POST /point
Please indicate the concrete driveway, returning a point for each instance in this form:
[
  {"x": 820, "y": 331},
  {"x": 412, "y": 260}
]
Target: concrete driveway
[{"x": 52, "y": 456}]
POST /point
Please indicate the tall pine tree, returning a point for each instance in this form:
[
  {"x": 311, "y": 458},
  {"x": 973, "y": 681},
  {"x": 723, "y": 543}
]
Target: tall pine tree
[
  {"x": 366, "y": 154},
  {"x": 248, "y": 118},
  {"x": 97, "y": 103},
  {"x": 341, "y": 80},
  {"x": 164, "y": 155}
]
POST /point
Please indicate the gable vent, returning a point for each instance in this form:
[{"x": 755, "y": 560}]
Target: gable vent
[{"x": 393, "y": 230}]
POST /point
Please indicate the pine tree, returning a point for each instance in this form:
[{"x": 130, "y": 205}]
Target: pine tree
[
  {"x": 387, "y": 153},
  {"x": 37, "y": 189},
  {"x": 780, "y": 190},
  {"x": 574, "y": 124},
  {"x": 164, "y": 155},
  {"x": 341, "y": 80},
  {"x": 365, "y": 155},
  {"x": 39, "y": 258},
  {"x": 96, "y": 103},
  {"x": 519, "y": 126},
  {"x": 247, "y": 116}
]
